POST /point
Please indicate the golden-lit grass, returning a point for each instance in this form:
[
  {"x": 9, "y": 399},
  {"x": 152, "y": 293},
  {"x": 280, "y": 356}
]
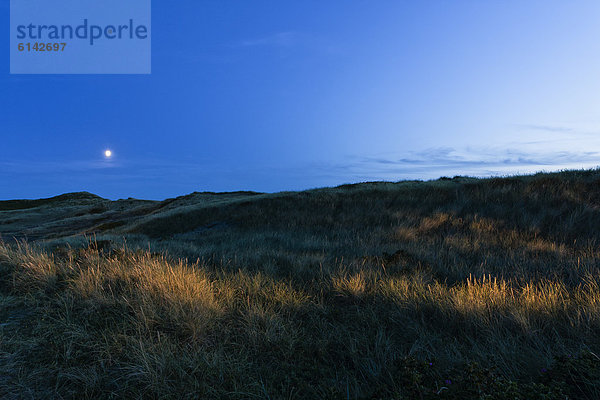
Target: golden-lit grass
[
  {"x": 490, "y": 298},
  {"x": 354, "y": 285},
  {"x": 457, "y": 289},
  {"x": 155, "y": 327}
]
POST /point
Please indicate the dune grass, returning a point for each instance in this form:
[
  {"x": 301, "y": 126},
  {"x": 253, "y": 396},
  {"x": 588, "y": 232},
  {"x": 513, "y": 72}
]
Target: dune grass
[
  {"x": 456, "y": 289},
  {"x": 136, "y": 325}
]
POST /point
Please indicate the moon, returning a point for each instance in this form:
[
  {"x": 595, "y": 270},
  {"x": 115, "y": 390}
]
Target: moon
[{"x": 107, "y": 153}]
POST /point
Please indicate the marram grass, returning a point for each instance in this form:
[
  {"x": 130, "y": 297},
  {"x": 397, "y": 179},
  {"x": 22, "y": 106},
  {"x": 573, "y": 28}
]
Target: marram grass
[
  {"x": 137, "y": 325},
  {"x": 455, "y": 289}
]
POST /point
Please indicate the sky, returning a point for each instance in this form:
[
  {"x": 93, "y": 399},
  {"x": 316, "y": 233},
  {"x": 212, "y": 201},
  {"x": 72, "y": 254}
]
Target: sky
[{"x": 291, "y": 95}]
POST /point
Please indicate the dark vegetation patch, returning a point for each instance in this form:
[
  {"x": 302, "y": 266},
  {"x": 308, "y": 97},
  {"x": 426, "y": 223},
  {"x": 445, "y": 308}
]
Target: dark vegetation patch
[
  {"x": 458, "y": 288},
  {"x": 108, "y": 226},
  {"x": 6, "y": 205}
]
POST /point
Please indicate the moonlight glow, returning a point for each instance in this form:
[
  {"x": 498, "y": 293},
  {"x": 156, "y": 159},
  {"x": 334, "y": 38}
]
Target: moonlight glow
[{"x": 107, "y": 153}]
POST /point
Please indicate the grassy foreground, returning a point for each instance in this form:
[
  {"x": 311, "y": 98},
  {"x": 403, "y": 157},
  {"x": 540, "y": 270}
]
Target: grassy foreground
[{"x": 458, "y": 289}]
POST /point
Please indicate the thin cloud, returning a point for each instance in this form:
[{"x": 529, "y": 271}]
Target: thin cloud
[
  {"x": 28, "y": 166},
  {"x": 280, "y": 39},
  {"x": 294, "y": 40},
  {"x": 435, "y": 162},
  {"x": 546, "y": 128}
]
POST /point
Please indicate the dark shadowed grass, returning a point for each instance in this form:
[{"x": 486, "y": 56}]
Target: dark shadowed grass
[
  {"x": 459, "y": 288},
  {"x": 133, "y": 324}
]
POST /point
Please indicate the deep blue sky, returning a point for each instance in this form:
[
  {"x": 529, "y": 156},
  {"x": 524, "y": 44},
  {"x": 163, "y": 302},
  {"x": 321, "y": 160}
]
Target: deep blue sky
[{"x": 286, "y": 95}]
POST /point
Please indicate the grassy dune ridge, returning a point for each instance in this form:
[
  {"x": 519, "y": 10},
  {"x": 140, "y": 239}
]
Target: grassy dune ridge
[{"x": 456, "y": 288}]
